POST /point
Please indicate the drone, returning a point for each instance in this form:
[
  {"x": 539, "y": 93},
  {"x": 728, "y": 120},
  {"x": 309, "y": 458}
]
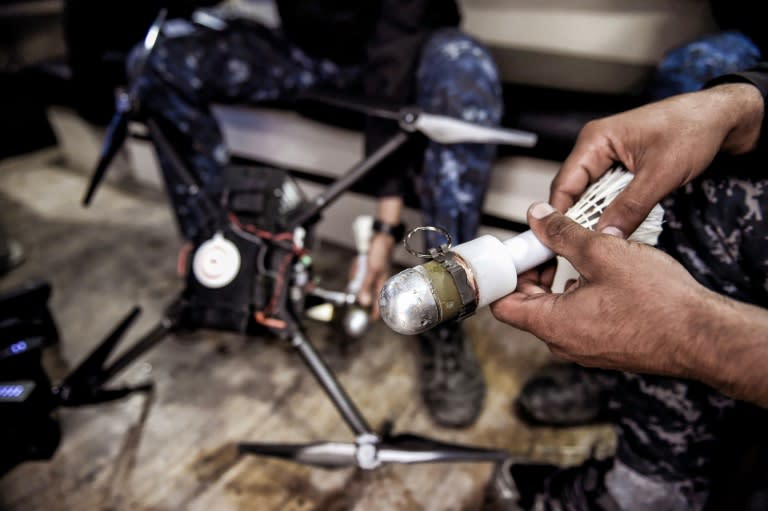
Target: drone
[{"x": 251, "y": 271}]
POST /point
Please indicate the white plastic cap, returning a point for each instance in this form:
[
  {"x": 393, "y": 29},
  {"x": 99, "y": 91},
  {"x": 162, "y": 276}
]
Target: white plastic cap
[
  {"x": 362, "y": 227},
  {"x": 493, "y": 271}
]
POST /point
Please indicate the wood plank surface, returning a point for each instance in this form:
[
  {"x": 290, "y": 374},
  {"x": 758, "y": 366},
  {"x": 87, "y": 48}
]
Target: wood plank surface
[{"x": 175, "y": 449}]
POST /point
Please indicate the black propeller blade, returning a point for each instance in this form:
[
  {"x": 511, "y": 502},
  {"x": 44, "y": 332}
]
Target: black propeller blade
[
  {"x": 356, "y": 104},
  {"x": 402, "y": 449},
  {"x": 117, "y": 131}
]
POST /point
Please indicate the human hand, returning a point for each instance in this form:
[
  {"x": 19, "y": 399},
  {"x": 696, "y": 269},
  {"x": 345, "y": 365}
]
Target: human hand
[
  {"x": 379, "y": 264},
  {"x": 633, "y": 308},
  {"x": 666, "y": 144}
]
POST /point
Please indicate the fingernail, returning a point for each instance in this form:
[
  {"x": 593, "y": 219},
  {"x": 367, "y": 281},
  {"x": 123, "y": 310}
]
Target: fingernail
[
  {"x": 613, "y": 231},
  {"x": 365, "y": 300},
  {"x": 541, "y": 209}
]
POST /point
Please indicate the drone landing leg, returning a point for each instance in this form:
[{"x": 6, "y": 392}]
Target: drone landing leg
[
  {"x": 85, "y": 386},
  {"x": 147, "y": 342},
  {"x": 331, "y": 385},
  {"x": 337, "y": 395}
]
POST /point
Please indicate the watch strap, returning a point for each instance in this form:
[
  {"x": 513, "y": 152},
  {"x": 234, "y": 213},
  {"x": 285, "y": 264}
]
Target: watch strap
[{"x": 396, "y": 231}]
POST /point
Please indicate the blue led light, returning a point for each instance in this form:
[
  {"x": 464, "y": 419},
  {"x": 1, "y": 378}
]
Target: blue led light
[
  {"x": 19, "y": 347},
  {"x": 11, "y": 391}
]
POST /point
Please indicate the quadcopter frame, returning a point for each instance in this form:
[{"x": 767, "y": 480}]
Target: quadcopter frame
[{"x": 369, "y": 449}]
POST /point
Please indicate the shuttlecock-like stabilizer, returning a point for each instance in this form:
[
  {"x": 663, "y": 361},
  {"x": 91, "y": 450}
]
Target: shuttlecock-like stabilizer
[{"x": 589, "y": 208}]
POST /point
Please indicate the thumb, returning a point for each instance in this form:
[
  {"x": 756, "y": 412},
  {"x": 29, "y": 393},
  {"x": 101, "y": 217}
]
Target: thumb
[
  {"x": 562, "y": 235},
  {"x": 537, "y": 313}
]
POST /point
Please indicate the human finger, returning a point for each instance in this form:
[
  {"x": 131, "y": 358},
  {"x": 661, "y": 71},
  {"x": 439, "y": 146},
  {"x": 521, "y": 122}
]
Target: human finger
[{"x": 632, "y": 206}]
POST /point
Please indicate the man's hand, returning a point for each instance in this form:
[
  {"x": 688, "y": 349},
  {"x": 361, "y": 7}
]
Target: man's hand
[
  {"x": 634, "y": 308},
  {"x": 666, "y": 144},
  {"x": 388, "y": 210}
]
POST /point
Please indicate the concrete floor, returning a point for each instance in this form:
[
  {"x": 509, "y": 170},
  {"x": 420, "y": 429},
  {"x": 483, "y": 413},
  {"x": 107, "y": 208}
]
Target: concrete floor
[{"x": 175, "y": 449}]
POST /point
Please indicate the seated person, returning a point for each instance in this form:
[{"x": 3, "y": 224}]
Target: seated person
[
  {"x": 689, "y": 323},
  {"x": 95, "y": 52},
  {"x": 568, "y": 394},
  {"x": 398, "y": 52}
]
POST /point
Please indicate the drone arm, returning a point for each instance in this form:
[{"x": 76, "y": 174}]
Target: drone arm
[{"x": 351, "y": 177}]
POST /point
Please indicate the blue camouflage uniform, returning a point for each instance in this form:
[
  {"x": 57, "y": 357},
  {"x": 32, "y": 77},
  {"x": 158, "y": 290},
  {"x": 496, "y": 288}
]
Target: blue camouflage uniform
[{"x": 247, "y": 63}]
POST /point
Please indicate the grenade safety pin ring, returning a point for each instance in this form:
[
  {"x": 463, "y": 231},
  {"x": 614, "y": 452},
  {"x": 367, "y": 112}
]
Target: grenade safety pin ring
[{"x": 432, "y": 252}]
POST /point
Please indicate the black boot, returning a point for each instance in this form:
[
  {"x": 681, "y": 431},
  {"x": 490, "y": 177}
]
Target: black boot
[
  {"x": 522, "y": 486},
  {"x": 566, "y": 395},
  {"x": 452, "y": 383},
  {"x": 505, "y": 492}
]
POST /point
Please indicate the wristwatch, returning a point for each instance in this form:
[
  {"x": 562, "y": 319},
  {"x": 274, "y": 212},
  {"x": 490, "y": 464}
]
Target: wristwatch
[{"x": 396, "y": 231}]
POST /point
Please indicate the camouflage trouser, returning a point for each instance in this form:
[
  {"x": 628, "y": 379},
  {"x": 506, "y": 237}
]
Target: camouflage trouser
[
  {"x": 457, "y": 77},
  {"x": 671, "y": 431},
  {"x": 247, "y": 63}
]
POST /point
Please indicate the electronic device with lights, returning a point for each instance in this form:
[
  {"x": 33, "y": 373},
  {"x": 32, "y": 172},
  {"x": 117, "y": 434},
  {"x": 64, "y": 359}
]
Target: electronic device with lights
[
  {"x": 250, "y": 267},
  {"x": 29, "y": 401}
]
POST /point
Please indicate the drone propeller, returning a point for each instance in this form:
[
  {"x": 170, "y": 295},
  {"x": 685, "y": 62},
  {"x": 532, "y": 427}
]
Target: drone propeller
[
  {"x": 449, "y": 130},
  {"x": 117, "y": 130},
  {"x": 355, "y": 104},
  {"x": 370, "y": 452},
  {"x": 113, "y": 140},
  {"x": 440, "y": 128}
]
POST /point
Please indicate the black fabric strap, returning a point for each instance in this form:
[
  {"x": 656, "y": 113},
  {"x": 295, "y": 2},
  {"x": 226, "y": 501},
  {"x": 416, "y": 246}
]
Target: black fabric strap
[{"x": 396, "y": 231}]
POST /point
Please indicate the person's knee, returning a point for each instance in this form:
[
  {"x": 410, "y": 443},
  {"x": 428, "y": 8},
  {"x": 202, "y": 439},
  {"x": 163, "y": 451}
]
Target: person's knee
[
  {"x": 451, "y": 52},
  {"x": 179, "y": 42},
  {"x": 458, "y": 76}
]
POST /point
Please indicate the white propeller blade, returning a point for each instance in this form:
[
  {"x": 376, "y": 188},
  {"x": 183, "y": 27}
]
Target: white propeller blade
[
  {"x": 448, "y": 130},
  {"x": 154, "y": 31}
]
